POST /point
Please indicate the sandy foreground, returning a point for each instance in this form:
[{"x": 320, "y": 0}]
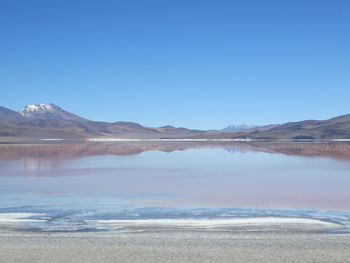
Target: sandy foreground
[
  {"x": 235, "y": 240},
  {"x": 173, "y": 246}
]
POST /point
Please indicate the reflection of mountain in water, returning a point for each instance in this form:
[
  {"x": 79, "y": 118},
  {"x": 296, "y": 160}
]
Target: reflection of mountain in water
[
  {"x": 236, "y": 150},
  {"x": 38, "y": 164},
  {"x": 38, "y": 157}
]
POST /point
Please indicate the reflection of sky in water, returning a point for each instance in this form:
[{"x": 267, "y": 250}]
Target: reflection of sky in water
[{"x": 195, "y": 177}]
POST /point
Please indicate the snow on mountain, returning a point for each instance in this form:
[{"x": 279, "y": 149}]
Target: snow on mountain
[
  {"x": 249, "y": 128},
  {"x": 242, "y": 127},
  {"x": 34, "y": 109}
]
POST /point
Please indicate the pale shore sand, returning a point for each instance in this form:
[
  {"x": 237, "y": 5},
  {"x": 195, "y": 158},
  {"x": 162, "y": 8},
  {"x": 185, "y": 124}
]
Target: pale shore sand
[{"x": 173, "y": 246}]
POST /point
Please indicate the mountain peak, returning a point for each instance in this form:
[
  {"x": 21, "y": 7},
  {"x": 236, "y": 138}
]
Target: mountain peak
[{"x": 48, "y": 111}]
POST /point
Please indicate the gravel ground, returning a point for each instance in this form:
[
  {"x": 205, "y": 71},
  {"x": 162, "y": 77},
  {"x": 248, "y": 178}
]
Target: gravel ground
[{"x": 173, "y": 246}]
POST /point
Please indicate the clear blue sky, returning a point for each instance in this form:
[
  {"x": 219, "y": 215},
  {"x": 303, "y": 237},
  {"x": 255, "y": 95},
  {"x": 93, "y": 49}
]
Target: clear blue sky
[{"x": 193, "y": 63}]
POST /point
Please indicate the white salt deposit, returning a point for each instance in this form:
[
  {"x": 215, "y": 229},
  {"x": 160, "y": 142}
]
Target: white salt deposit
[
  {"x": 222, "y": 222},
  {"x": 18, "y": 217}
]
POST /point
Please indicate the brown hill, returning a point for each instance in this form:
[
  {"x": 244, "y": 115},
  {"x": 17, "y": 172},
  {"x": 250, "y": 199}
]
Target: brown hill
[{"x": 335, "y": 128}]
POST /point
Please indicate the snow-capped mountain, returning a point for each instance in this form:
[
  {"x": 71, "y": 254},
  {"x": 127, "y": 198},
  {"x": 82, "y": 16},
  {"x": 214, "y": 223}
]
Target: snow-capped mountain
[
  {"x": 48, "y": 111},
  {"x": 249, "y": 128},
  {"x": 242, "y": 127}
]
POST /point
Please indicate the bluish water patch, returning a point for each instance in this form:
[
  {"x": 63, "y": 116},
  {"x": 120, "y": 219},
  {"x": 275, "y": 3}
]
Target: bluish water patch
[{"x": 65, "y": 214}]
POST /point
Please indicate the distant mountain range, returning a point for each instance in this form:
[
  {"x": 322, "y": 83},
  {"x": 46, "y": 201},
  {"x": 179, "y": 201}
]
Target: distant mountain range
[
  {"x": 50, "y": 121},
  {"x": 335, "y": 128}
]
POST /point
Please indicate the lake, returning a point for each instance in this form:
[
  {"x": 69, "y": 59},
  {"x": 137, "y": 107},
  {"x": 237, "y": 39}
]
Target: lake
[{"x": 75, "y": 186}]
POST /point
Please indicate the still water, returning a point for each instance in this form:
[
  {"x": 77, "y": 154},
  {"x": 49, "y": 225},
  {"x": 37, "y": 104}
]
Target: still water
[{"x": 67, "y": 187}]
